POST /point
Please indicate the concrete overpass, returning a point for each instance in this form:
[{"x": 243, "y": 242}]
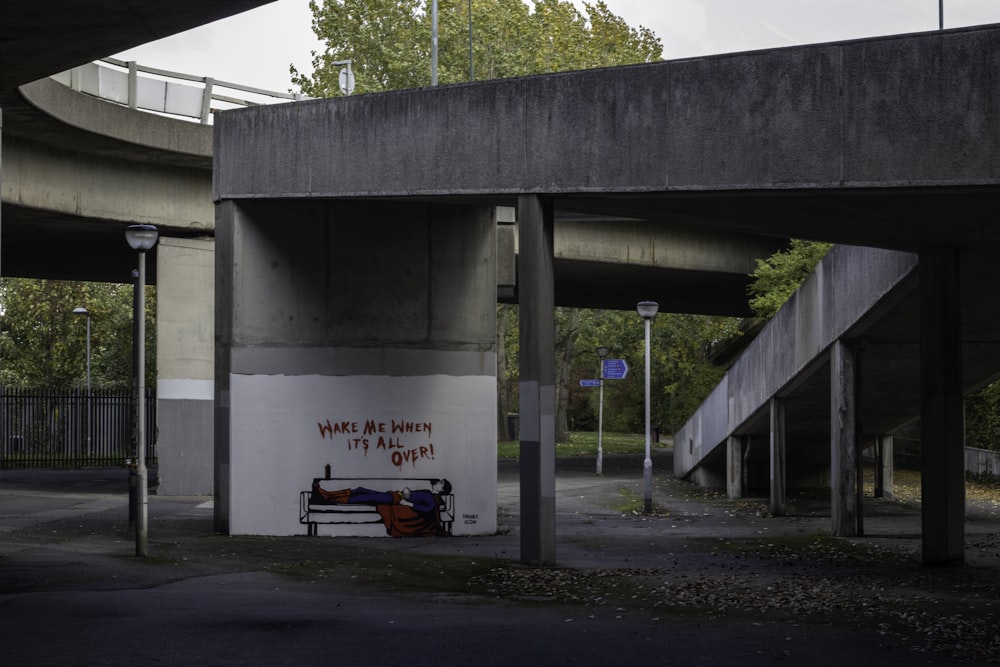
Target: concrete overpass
[
  {"x": 887, "y": 143},
  {"x": 77, "y": 170}
]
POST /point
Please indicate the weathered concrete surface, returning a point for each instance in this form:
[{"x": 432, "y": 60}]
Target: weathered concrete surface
[
  {"x": 319, "y": 317},
  {"x": 90, "y": 168},
  {"x": 686, "y": 269},
  {"x": 786, "y": 142},
  {"x": 185, "y": 364},
  {"x": 848, "y": 285}
]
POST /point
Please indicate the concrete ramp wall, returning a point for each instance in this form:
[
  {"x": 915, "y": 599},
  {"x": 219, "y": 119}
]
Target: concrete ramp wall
[{"x": 849, "y": 285}]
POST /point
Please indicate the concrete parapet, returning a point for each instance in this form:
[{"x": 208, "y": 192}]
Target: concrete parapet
[{"x": 845, "y": 289}]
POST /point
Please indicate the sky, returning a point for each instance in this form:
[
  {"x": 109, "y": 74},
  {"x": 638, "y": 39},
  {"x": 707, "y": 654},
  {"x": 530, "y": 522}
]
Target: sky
[{"x": 255, "y": 48}]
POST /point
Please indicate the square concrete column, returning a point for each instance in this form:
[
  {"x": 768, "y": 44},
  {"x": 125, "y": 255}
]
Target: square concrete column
[
  {"x": 735, "y": 473},
  {"x": 843, "y": 443},
  {"x": 883, "y": 466},
  {"x": 185, "y": 362},
  {"x": 537, "y": 380},
  {"x": 941, "y": 412},
  {"x": 777, "y": 456}
]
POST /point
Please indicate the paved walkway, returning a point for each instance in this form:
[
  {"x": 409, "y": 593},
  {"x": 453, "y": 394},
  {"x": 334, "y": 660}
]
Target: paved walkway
[{"x": 704, "y": 581}]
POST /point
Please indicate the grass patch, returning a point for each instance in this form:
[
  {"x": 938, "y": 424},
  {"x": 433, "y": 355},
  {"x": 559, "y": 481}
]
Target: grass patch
[
  {"x": 630, "y": 502},
  {"x": 583, "y": 443}
]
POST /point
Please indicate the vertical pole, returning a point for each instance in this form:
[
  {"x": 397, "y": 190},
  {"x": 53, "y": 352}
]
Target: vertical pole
[
  {"x": 472, "y": 69},
  {"x": 600, "y": 428},
  {"x": 141, "y": 528},
  {"x": 434, "y": 42},
  {"x": 777, "y": 456},
  {"x": 647, "y": 463},
  {"x": 90, "y": 411},
  {"x": 537, "y": 381},
  {"x": 941, "y": 410},
  {"x": 940, "y": 14},
  {"x": 885, "y": 481}
]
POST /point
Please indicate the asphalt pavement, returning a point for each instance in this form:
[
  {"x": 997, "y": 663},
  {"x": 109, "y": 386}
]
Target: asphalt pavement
[{"x": 702, "y": 581}]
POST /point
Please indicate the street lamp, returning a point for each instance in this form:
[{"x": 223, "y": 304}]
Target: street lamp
[
  {"x": 602, "y": 352},
  {"x": 647, "y": 311},
  {"x": 434, "y": 42},
  {"x": 141, "y": 238},
  {"x": 83, "y": 311}
]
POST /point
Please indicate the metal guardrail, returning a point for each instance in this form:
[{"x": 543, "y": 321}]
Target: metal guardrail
[{"x": 163, "y": 92}]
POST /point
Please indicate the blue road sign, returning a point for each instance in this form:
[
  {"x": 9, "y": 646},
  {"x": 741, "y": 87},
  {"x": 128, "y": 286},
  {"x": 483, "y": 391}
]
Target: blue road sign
[
  {"x": 590, "y": 383},
  {"x": 614, "y": 369}
]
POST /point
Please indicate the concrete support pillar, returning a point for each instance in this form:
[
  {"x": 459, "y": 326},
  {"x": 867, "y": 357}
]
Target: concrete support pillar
[
  {"x": 883, "y": 466},
  {"x": 185, "y": 363},
  {"x": 843, "y": 441},
  {"x": 941, "y": 415},
  {"x": 1, "y": 185},
  {"x": 537, "y": 384},
  {"x": 356, "y": 347},
  {"x": 735, "y": 474},
  {"x": 778, "y": 481},
  {"x": 228, "y": 219}
]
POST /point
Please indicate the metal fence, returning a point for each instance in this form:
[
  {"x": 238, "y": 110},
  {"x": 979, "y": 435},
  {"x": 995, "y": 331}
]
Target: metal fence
[
  {"x": 58, "y": 428},
  {"x": 982, "y": 461}
]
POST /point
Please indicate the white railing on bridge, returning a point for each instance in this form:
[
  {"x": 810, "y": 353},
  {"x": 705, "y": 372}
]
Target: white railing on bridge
[{"x": 160, "y": 91}]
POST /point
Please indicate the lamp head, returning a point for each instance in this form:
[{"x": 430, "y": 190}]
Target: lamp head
[
  {"x": 602, "y": 351},
  {"x": 647, "y": 309},
  {"x": 141, "y": 237},
  {"x": 81, "y": 311}
]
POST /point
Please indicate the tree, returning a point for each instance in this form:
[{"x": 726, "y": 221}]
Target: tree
[
  {"x": 682, "y": 372},
  {"x": 389, "y": 44},
  {"x": 43, "y": 344},
  {"x": 776, "y": 278}
]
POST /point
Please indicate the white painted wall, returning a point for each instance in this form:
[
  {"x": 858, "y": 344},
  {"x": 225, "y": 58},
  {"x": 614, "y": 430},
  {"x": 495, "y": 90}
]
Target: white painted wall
[{"x": 286, "y": 429}]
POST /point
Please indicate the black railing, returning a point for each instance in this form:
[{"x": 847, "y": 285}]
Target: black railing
[{"x": 59, "y": 428}]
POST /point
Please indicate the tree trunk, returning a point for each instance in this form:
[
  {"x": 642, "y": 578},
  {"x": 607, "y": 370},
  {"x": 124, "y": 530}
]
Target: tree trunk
[{"x": 567, "y": 323}]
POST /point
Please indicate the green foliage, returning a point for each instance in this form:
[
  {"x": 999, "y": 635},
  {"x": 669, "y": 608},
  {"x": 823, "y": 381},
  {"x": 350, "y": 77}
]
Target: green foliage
[
  {"x": 389, "y": 42},
  {"x": 43, "y": 344},
  {"x": 982, "y": 418},
  {"x": 583, "y": 443},
  {"x": 776, "y": 278},
  {"x": 681, "y": 371}
]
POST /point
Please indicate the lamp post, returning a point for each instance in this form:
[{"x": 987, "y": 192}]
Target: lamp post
[
  {"x": 83, "y": 311},
  {"x": 647, "y": 310},
  {"x": 601, "y": 353},
  {"x": 472, "y": 67},
  {"x": 141, "y": 238},
  {"x": 434, "y": 42}
]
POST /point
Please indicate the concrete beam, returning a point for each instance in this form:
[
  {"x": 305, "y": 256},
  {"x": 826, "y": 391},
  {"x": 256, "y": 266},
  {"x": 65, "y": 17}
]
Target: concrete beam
[
  {"x": 102, "y": 188},
  {"x": 747, "y": 141}
]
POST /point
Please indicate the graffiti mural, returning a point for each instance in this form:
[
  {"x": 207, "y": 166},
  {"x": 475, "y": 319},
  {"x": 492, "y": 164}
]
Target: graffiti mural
[
  {"x": 364, "y": 456},
  {"x": 426, "y": 509}
]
